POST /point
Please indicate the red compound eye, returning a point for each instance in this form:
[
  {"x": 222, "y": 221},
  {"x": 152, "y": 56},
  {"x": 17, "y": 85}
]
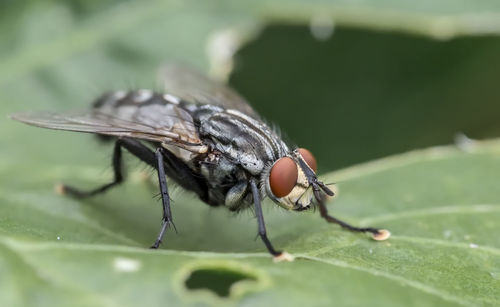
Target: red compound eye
[
  {"x": 309, "y": 158},
  {"x": 283, "y": 177}
]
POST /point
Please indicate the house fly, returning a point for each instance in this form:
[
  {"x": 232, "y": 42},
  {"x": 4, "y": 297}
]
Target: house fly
[{"x": 206, "y": 138}]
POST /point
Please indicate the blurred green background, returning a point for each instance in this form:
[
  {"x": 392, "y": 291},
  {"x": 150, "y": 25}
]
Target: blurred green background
[
  {"x": 363, "y": 95},
  {"x": 357, "y": 95},
  {"x": 352, "y": 81}
]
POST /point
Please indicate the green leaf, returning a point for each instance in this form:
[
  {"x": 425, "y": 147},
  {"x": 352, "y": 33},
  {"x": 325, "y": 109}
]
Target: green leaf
[
  {"x": 441, "y": 204},
  {"x": 439, "y": 19}
]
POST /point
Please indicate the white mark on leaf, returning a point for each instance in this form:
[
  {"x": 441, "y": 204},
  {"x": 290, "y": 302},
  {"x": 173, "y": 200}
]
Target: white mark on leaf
[
  {"x": 447, "y": 234},
  {"x": 127, "y": 265}
]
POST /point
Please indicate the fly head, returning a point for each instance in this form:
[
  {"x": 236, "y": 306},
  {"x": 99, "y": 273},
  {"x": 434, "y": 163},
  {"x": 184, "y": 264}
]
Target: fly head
[{"x": 292, "y": 183}]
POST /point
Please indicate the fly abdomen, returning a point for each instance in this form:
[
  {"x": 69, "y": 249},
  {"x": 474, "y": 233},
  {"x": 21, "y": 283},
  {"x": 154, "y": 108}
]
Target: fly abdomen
[
  {"x": 146, "y": 110},
  {"x": 136, "y": 98}
]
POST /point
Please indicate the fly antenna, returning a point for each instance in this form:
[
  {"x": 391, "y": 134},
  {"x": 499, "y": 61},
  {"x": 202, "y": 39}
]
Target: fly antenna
[{"x": 325, "y": 188}]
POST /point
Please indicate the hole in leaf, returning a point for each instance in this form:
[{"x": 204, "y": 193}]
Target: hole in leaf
[{"x": 217, "y": 280}]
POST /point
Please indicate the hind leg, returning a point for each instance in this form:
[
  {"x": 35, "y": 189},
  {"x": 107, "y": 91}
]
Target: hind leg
[{"x": 136, "y": 148}]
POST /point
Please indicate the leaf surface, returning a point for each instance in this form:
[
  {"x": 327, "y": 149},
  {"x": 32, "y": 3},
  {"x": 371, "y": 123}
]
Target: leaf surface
[{"x": 442, "y": 205}]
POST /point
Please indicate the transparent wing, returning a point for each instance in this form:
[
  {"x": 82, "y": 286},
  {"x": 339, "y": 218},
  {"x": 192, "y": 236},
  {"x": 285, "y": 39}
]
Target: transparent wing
[
  {"x": 158, "y": 123},
  {"x": 193, "y": 87}
]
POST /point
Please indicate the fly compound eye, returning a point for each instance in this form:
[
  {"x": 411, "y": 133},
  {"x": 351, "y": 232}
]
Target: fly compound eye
[
  {"x": 283, "y": 177},
  {"x": 309, "y": 158}
]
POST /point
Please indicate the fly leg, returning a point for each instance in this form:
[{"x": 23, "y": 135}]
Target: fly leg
[
  {"x": 277, "y": 255},
  {"x": 377, "y": 234},
  {"x": 134, "y": 147},
  {"x": 167, "y": 164},
  {"x": 156, "y": 160},
  {"x": 165, "y": 198}
]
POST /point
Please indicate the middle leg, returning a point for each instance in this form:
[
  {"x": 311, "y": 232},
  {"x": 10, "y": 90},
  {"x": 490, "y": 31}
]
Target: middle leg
[{"x": 165, "y": 198}]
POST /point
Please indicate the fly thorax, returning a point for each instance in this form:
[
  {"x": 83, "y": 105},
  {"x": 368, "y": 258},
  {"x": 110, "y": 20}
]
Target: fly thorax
[
  {"x": 202, "y": 113},
  {"x": 243, "y": 140}
]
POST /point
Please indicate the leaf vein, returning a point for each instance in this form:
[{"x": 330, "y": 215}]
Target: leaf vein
[
  {"x": 440, "y": 242},
  {"x": 477, "y": 209},
  {"x": 412, "y": 283}
]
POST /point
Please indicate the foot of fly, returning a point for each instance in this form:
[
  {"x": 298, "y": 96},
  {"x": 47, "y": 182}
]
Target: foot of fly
[
  {"x": 283, "y": 257},
  {"x": 156, "y": 245},
  {"x": 381, "y": 235}
]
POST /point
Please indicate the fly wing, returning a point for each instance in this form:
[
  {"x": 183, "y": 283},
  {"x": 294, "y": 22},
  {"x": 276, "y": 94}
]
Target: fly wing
[
  {"x": 154, "y": 119},
  {"x": 193, "y": 87}
]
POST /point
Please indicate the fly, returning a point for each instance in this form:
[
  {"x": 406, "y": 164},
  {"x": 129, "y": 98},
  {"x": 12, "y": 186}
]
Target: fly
[{"x": 209, "y": 140}]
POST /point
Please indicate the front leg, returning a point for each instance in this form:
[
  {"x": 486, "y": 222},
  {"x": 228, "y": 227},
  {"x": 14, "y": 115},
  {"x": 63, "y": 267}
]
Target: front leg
[
  {"x": 277, "y": 255},
  {"x": 377, "y": 234}
]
